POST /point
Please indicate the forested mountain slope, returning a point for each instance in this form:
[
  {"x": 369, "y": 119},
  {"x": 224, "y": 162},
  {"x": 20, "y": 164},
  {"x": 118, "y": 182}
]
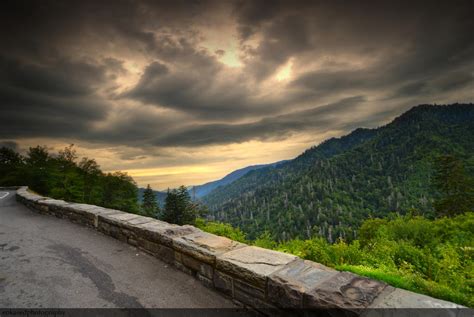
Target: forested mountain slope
[
  {"x": 200, "y": 191},
  {"x": 331, "y": 188}
]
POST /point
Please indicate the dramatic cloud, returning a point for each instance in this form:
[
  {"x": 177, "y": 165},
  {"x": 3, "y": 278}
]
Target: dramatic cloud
[
  {"x": 53, "y": 99},
  {"x": 316, "y": 119},
  {"x": 175, "y": 85}
]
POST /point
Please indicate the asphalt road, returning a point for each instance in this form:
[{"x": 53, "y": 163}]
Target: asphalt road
[{"x": 51, "y": 262}]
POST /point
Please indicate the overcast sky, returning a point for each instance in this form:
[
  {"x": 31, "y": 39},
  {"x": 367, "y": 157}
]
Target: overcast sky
[{"x": 184, "y": 92}]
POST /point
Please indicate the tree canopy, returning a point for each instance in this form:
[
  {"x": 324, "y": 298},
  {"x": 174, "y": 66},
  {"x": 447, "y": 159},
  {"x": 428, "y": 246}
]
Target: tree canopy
[
  {"x": 179, "y": 208},
  {"x": 62, "y": 176},
  {"x": 149, "y": 205},
  {"x": 454, "y": 185}
]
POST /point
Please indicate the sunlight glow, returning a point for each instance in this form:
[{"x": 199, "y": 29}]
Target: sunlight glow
[
  {"x": 284, "y": 73},
  {"x": 178, "y": 170}
]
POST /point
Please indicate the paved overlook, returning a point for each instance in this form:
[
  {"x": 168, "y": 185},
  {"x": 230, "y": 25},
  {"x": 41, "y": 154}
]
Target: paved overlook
[{"x": 51, "y": 262}]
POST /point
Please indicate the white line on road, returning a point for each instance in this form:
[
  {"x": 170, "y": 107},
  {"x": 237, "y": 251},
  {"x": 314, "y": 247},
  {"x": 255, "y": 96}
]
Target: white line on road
[{"x": 5, "y": 194}]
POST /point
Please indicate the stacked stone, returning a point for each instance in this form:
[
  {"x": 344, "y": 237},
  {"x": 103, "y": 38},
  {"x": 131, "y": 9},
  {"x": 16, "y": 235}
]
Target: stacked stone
[{"x": 261, "y": 279}]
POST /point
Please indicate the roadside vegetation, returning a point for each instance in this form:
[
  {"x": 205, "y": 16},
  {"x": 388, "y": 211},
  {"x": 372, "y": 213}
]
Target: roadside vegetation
[
  {"x": 63, "y": 176},
  {"x": 432, "y": 257}
]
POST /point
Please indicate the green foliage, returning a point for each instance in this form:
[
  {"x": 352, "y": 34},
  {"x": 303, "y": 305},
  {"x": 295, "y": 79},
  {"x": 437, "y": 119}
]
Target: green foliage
[
  {"x": 332, "y": 188},
  {"x": 221, "y": 229},
  {"x": 455, "y": 185},
  {"x": 179, "y": 208},
  {"x": 433, "y": 257},
  {"x": 62, "y": 177},
  {"x": 120, "y": 192},
  {"x": 149, "y": 205},
  {"x": 91, "y": 176},
  {"x": 266, "y": 241},
  {"x": 11, "y": 164}
]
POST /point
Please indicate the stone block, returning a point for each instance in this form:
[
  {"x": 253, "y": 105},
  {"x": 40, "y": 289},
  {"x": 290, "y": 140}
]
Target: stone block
[
  {"x": 223, "y": 283},
  {"x": 119, "y": 219},
  {"x": 90, "y": 209},
  {"x": 102, "y": 211},
  {"x": 159, "y": 251},
  {"x": 31, "y": 197},
  {"x": 183, "y": 268},
  {"x": 195, "y": 265},
  {"x": 207, "y": 270},
  {"x": 204, "y": 246},
  {"x": 398, "y": 298},
  {"x": 163, "y": 232},
  {"x": 252, "y": 301},
  {"x": 165, "y": 254},
  {"x": 343, "y": 290},
  {"x": 113, "y": 230},
  {"x": 122, "y": 223},
  {"x": 53, "y": 202},
  {"x": 252, "y": 264},
  {"x": 205, "y": 280},
  {"x": 85, "y": 214},
  {"x": 78, "y": 214},
  {"x": 139, "y": 220},
  {"x": 43, "y": 209},
  {"x": 132, "y": 242},
  {"x": 55, "y": 207},
  {"x": 286, "y": 286},
  {"x": 240, "y": 286}
]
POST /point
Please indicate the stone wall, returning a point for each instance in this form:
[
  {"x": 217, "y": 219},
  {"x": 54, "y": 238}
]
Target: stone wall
[{"x": 254, "y": 277}]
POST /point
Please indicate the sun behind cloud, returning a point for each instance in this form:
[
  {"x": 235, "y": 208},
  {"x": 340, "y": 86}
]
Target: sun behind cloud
[{"x": 284, "y": 72}]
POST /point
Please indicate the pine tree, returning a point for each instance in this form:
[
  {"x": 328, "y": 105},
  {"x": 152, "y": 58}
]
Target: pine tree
[
  {"x": 454, "y": 185},
  {"x": 150, "y": 206},
  {"x": 179, "y": 208}
]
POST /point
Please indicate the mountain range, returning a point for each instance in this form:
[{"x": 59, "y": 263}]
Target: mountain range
[
  {"x": 331, "y": 188},
  {"x": 198, "y": 191}
]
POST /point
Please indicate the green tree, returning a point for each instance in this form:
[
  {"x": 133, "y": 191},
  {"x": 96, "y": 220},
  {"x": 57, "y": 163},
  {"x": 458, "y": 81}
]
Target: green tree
[
  {"x": 149, "y": 206},
  {"x": 61, "y": 177},
  {"x": 179, "y": 208},
  {"x": 11, "y": 167},
  {"x": 120, "y": 192},
  {"x": 454, "y": 185},
  {"x": 69, "y": 184},
  {"x": 91, "y": 173},
  {"x": 38, "y": 170}
]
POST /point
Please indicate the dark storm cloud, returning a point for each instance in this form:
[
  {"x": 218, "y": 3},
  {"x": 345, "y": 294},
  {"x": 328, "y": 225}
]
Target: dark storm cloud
[
  {"x": 199, "y": 91},
  {"x": 416, "y": 38},
  {"x": 58, "y": 80},
  {"x": 135, "y": 127},
  {"x": 418, "y": 42},
  {"x": 316, "y": 119},
  {"x": 445, "y": 83},
  {"x": 61, "y": 78},
  {"x": 54, "y": 99},
  {"x": 42, "y": 28}
]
